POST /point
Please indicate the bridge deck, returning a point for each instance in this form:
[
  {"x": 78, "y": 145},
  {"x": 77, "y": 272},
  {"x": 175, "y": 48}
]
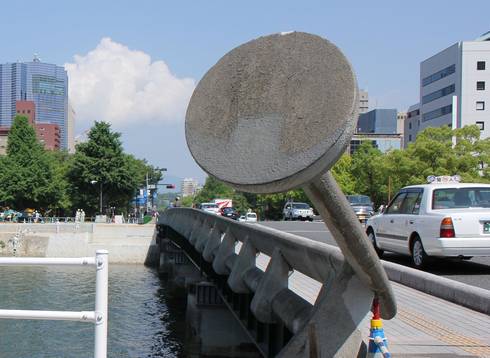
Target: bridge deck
[{"x": 425, "y": 326}]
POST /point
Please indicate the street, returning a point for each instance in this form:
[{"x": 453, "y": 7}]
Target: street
[{"x": 474, "y": 272}]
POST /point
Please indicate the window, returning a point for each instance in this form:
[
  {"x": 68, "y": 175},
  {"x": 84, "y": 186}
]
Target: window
[
  {"x": 437, "y": 113},
  {"x": 481, "y": 125},
  {"x": 396, "y": 204},
  {"x": 438, "y": 75},
  {"x": 438, "y": 94},
  {"x": 409, "y": 137},
  {"x": 480, "y": 85},
  {"x": 480, "y": 105},
  {"x": 452, "y": 198},
  {"x": 410, "y": 125},
  {"x": 411, "y": 204},
  {"x": 480, "y": 65}
]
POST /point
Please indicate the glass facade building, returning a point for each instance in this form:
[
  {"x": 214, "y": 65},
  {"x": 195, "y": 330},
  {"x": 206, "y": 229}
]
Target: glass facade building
[{"x": 45, "y": 84}]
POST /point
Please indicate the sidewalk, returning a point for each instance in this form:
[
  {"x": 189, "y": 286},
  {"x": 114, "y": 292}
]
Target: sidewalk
[{"x": 425, "y": 326}]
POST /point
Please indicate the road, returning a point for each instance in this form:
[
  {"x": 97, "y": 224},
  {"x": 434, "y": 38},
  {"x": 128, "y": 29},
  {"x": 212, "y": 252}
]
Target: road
[{"x": 474, "y": 272}]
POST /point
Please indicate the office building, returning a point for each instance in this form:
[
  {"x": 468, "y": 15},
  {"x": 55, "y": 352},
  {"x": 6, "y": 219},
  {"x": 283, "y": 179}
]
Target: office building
[
  {"x": 455, "y": 86},
  {"x": 42, "y": 83},
  {"x": 381, "y": 127},
  {"x": 189, "y": 187}
]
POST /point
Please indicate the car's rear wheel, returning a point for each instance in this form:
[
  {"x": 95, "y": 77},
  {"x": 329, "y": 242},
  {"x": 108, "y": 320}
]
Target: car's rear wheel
[
  {"x": 372, "y": 238},
  {"x": 419, "y": 256}
]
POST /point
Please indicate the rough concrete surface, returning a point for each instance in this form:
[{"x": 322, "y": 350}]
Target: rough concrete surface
[{"x": 288, "y": 100}]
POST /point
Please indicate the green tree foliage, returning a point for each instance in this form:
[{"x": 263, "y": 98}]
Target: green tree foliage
[
  {"x": 101, "y": 160},
  {"x": 342, "y": 174},
  {"x": 28, "y": 175}
]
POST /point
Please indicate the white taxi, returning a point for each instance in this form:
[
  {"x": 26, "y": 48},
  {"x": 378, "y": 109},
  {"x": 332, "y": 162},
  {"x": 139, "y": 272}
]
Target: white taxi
[{"x": 444, "y": 218}]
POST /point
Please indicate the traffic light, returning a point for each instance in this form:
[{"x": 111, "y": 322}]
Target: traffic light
[{"x": 170, "y": 186}]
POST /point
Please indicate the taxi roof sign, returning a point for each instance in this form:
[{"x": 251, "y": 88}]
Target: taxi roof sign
[{"x": 443, "y": 179}]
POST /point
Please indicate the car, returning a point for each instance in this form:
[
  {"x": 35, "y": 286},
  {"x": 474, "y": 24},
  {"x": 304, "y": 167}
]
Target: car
[
  {"x": 210, "y": 208},
  {"x": 362, "y": 205},
  {"x": 444, "y": 218},
  {"x": 230, "y": 213},
  {"x": 248, "y": 217},
  {"x": 297, "y": 211}
]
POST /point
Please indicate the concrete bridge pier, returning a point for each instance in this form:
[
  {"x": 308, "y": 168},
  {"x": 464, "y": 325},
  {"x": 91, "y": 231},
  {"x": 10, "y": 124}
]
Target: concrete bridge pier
[{"x": 211, "y": 330}]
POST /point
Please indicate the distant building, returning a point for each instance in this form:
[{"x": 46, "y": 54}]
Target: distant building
[
  {"x": 49, "y": 135},
  {"x": 412, "y": 125},
  {"x": 189, "y": 187},
  {"x": 4, "y": 132},
  {"x": 380, "y": 127},
  {"x": 455, "y": 85},
  {"x": 70, "y": 129},
  {"x": 381, "y": 121},
  {"x": 26, "y": 109},
  {"x": 363, "y": 101},
  {"x": 42, "y": 83}
]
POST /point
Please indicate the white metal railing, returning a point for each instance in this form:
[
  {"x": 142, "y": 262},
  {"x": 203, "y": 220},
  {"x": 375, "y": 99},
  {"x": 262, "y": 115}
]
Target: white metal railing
[{"x": 99, "y": 316}]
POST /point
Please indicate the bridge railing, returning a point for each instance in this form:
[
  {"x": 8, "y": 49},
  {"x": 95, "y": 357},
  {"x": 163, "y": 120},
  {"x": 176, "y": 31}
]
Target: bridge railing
[
  {"x": 98, "y": 317},
  {"x": 343, "y": 301}
]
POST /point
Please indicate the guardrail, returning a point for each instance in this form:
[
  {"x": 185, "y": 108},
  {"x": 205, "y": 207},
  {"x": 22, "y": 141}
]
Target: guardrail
[
  {"x": 99, "y": 316},
  {"x": 331, "y": 325}
]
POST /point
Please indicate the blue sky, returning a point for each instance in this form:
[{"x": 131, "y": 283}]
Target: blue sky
[{"x": 384, "y": 40}]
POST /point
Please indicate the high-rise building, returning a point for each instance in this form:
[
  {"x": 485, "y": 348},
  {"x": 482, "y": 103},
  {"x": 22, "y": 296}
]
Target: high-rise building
[
  {"x": 189, "y": 187},
  {"x": 43, "y": 83},
  {"x": 455, "y": 86}
]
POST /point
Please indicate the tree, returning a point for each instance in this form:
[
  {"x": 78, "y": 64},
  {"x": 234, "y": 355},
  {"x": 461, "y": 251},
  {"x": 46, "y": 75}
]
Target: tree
[
  {"x": 342, "y": 174},
  {"x": 101, "y": 168},
  {"x": 368, "y": 169},
  {"x": 27, "y": 175}
]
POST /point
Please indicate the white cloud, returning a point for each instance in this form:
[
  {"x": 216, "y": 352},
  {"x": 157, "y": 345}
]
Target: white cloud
[{"x": 123, "y": 86}]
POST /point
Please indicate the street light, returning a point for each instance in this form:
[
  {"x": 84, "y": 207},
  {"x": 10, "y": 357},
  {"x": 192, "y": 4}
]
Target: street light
[{"x": 100, "y": 194}]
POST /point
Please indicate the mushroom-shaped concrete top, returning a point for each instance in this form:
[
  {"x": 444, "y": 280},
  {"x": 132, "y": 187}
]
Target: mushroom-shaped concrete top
[{"x": 273, "y": 113}]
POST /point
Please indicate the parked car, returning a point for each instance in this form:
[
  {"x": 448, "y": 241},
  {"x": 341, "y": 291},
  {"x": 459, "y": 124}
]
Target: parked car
[
  {"x": 230, "y": 213},
  {"x": 210, "y": 208},
  {"x": 297, "y": 211},
  {"x": 248, "y": 217},
  {"x": 442, "y": 219},
  {"x": 362, "y": 205}
]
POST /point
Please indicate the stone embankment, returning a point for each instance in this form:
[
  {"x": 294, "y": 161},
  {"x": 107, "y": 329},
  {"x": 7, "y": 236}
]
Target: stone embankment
[{"x": 127, "y": 243}]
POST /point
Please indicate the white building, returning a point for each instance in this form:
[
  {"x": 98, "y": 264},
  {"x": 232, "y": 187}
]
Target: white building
[
  {"x": 70, "y": 129},
  {"x": 461, "y": 71},
  {"x": 189, "y": 187}
]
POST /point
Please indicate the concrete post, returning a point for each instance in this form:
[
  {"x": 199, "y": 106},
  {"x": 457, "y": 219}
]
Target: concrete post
[
  {"x": 225, "y": 249},
  {"x": 274, "y": 281},
  {"x": 245, "y": 260}
]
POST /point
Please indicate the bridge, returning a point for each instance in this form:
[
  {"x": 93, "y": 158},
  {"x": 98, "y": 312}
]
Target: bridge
[
  {"x": 279, "y": 294},
  {"x": 272, "y": 115}
]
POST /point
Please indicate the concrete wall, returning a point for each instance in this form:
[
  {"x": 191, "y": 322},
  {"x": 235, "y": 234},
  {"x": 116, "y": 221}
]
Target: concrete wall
[{"x": 130, "y": 244}]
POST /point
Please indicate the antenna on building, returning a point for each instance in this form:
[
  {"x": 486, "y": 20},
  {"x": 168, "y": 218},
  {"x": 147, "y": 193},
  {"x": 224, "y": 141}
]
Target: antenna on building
[{"x": 36, "y": 58}]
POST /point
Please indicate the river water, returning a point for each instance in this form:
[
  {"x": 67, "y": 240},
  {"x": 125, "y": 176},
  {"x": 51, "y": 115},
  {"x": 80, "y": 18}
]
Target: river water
[{"x": 144, "y": 320}]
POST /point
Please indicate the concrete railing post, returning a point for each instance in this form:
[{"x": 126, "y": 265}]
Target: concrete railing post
[
  {"x": 274, "y": 281},
  {"x": 225, "y": 250},
  {"x": 245, "y": 261}
]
